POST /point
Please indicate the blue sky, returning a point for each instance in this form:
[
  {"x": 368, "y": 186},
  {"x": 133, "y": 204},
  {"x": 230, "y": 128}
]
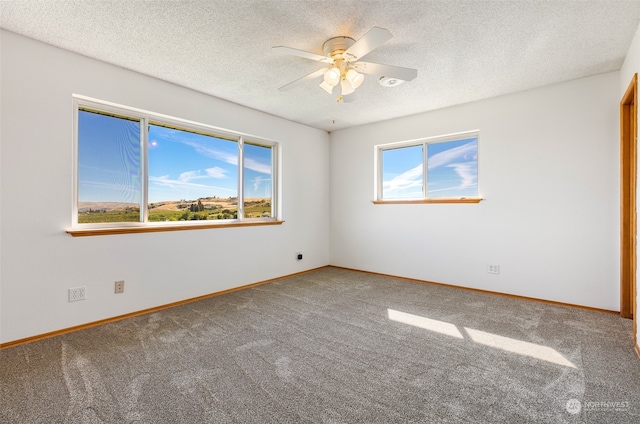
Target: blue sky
[
  {"x": 452, "y": 170},
  {"x": 402, "y": 172},
  {"x": 181, "y": 165},
  {"x": 188, "y": 166},
  {"x": 108, "y": 159},
  {"x": 185, "y": 165}
]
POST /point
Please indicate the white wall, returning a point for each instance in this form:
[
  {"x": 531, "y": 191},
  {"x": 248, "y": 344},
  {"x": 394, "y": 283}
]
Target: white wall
[
  {"x": 549, "y": 173},
  {"x": 631, "y": 66},
  {"x": 40, "y": 261}
]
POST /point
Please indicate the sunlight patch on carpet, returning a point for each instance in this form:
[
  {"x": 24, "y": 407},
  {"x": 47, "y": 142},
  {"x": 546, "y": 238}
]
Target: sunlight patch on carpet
[
  {"x": 506, "y": 344},
  {"x": 426, "y": 323}
]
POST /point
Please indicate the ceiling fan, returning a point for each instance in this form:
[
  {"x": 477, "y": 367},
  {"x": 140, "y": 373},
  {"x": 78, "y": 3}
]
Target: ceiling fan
[{"x": 344, "y": 68}]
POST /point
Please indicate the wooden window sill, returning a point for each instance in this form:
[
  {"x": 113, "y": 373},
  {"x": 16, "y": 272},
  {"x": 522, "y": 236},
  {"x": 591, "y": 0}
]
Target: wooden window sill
[
  {"x": 163, "y": 228},
  {"x": 422, "y": 201}
]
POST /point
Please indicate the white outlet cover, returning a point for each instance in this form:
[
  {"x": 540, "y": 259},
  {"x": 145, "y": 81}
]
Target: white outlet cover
[{"x": 77, "y": 293}]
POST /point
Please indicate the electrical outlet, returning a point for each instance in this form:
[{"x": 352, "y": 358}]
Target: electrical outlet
[
  {"x": 119, "y": 286},
  {"x": 493, "y": 269},
  {"x": 299, "y": 256},
  {"x": 77, "y": 293}
]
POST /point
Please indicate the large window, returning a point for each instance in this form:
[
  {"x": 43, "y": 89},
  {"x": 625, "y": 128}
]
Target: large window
[
  {"x": 433, "y": 169},
  {"x": 136, "y": 168}
]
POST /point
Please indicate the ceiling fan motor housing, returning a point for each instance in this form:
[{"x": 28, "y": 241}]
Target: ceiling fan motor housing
[{"x": 336, "y": 46}]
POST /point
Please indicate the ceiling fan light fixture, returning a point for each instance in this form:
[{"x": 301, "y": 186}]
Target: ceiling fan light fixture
[
  {"x": 346, "y": 87},
  {"x": 355, "y": 78},
  {"x": 326, "y": 87},
  {"x": 332, "y": 76}
]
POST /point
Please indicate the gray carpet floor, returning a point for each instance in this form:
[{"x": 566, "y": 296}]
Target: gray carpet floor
[{"x": 333, "y": 346}]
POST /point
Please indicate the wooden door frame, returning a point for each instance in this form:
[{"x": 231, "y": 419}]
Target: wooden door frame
[{"x": 628, "y": 220}]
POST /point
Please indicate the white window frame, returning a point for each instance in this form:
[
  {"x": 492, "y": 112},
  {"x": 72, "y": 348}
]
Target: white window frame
[
  {"x": 146, "y": 118},
  {"x": 378, "y": 183}
]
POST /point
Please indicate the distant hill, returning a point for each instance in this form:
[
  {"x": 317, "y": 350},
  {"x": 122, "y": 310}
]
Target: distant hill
[
  {"x": 106, "y": 206},
  {"x": 169, "y": 205}
]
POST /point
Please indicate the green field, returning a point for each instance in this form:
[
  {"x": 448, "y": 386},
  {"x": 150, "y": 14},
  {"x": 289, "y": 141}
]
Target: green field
[
  {"x": 254, "y": 209},
  {"x": 115, "y": 215}
]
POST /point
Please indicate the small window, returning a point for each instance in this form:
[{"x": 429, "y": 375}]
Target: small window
[
  {"x": 137, "y": 168},
  {"x": 451, "y": 170}
]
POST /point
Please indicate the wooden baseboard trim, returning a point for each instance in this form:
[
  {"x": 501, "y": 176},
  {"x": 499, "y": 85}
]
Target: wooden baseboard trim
[
  {"x": 637, "y": 350},
  {"x": 513, "y": 296},
  {"x": 195, "y": 299},
  {"x": 144, "y": 311}
]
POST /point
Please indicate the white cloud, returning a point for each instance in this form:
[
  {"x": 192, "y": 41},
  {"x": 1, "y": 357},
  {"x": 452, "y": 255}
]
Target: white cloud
[
  {"x": 256, "y": 183},
  {"x": 467, "y": 172},
  {"x": 254, "y": 165},
  {"x": 190, "y": 175},
  {"x": 210, "y": 152},
  {"x": 451, "y": 156},
  {"x": 182, "y": 183},
  {"x": 407, "y": 180},
  {"x": 216, "y": 172}
]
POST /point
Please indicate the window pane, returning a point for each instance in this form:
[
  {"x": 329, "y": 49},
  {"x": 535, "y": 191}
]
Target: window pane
[
  {"x": 452, "y": 168},
  {"x": 191, "y": 176},
  {"x": 109, "y": 171},
  {"x": 402, "y": 173},
  {"x": 257, "y": 181}
]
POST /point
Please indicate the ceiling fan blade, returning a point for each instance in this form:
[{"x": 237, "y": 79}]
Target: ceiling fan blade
[
  {"x": 405, "y": 74},
  {"x": 372, "y": 39},
  {"x": 311, "y": 76},
  {"x": 301, "y": 53}
]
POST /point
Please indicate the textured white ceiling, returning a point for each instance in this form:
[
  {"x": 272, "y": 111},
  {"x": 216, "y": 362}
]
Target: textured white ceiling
[{"x": 463, "y": 50}]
